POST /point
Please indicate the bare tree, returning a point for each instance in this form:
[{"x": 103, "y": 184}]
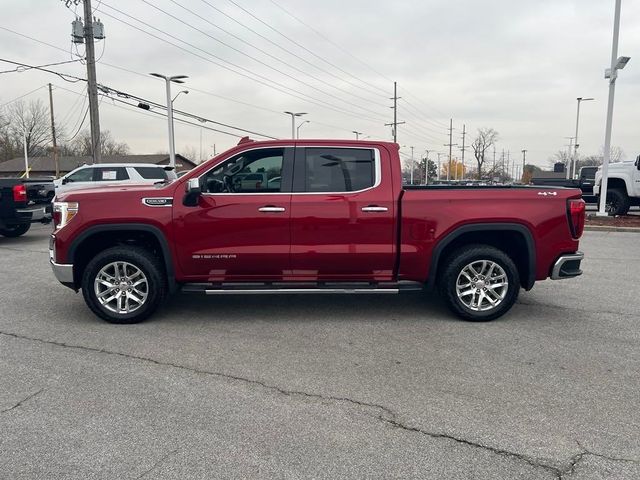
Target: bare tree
[
  {"x": 189, "y": 152},
  {"x": 485, "y": 139},
  {"x": 31, "y": 121},
  {"x": 81, "y": 145}
]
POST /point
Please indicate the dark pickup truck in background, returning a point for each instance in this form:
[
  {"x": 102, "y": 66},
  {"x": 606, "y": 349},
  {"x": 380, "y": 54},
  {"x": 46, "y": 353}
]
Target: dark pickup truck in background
[
  {"x": 24, "y": 201},
  {"x": 584, "y": 182}
]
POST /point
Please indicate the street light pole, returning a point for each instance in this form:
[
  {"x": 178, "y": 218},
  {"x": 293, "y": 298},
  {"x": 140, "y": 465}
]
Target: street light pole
[
  {"x": 298, "y": 129},
  {"x": 357, "y": 134},
  {"x": 426, "y": 168},
  {"x": 616, "y": 64},
  {"x": 411, "y": 175},
  {"x": 26, "y": 157},
  {"x": 168, "y": 80},
  {"x": 575, "y": 145},
  {"x": 293, "y": 121}
]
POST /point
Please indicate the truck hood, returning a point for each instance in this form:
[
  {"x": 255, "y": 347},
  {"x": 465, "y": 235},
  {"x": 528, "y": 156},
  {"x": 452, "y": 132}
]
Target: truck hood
[{"x": 108, "y": 191}]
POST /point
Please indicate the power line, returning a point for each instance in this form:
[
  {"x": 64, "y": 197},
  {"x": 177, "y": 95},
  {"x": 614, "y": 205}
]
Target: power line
[
  {"x": 193, "y": 88},
  {"x": 342, "y": 49},
  {"x": 22, "y": 96},
  {"x": 20, "y": 69},
  {"x": 261, "y": 79},
  {"x": 264, "y": 52},
  {"x": 106, "y": 89},
  {"x": 339, "y": 47},
  {"x": 267, "y": 39}
]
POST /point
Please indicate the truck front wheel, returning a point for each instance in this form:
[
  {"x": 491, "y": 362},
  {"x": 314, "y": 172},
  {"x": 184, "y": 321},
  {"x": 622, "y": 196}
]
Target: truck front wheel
[
  {"x": 479, "y": 282},
  {"x": 124, "y": 284},
  {"x": 15, "y": 230},
  {"x": 618, "y": 202}
]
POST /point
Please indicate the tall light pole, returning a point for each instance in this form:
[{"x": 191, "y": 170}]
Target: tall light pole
[
  {"x": 168, "y": 80},
  {"x": 357, "y": 134},
  {"x": 524, "y": 160},
  {"x": 298, "y": 129},
  {"x": 426, "y": 167},
  {"x": 576, "y": 145},
  {"x": 617, "y": 63},
  {"x": 293, "y": 121},
  {"x": 26, "y": 157},
  {"x": 412, "y": 165}
]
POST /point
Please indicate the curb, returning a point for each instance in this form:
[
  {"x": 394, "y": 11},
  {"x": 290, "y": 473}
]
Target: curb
[{"x": 605, "y": 228}]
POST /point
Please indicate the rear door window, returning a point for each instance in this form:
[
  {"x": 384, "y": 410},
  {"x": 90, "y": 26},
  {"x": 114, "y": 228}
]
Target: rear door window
[
  {"x": 339, "y": 169},
  {"x": 110, "y": 174}
]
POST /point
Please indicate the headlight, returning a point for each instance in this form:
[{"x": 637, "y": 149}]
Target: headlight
[{"x": 63, "y": 212}]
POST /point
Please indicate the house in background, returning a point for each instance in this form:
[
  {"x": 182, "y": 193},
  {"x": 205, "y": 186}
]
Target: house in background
[{"x": 45, "y": 167}]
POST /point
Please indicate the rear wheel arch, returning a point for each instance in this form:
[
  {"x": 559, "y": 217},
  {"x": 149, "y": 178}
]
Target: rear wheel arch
[
  {"x": 515, "y": 239},
  {"x": 100, "y": 237}
]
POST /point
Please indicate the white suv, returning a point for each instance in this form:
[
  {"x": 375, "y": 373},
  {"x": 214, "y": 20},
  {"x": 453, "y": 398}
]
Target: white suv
[
  {"x": 113, "y": 173},
  {"x": 623, "y": 186}
]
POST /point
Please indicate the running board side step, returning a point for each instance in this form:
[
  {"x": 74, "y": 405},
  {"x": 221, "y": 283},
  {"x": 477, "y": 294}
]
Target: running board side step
[{"x": 288, "y": 288}]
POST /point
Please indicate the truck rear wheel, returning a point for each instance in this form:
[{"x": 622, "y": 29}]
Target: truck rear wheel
[
  {"x": 479, "y": 282},
  {"x": 618, "y": 202},
  {"x": 124, "y": 284},
  {"x": 15, "y": 230}
]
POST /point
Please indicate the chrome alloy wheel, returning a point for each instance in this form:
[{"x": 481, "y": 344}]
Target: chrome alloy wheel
[
  {"x": 121, "y": 287},
  {"x": 482, "y": 285}
]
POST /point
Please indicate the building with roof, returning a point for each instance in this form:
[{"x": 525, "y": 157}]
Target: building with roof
[{"x": 45, "y": 166}]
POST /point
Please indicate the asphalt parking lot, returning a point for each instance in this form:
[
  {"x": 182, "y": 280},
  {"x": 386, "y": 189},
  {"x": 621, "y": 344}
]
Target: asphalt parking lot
[{"x": 323, "y": 387}]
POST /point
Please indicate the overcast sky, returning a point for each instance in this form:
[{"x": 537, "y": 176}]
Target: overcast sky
[{"x": 516, "y": 66}]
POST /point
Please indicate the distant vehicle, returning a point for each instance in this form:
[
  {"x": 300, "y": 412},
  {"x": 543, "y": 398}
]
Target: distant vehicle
[
  {"x": 623, "y": 186},
  {"x": 113, "y": 173},
  {"x": 341, "y": 222},
  {"x": 23, "y": 201},
  {"x": 584, "y": 182}
]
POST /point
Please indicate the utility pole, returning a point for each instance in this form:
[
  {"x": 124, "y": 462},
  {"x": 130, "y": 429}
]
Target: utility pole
[
  {"x": 92, "y": 84},
  {"x": 394, "y": 125},
  {"x": 524, "y": 160},
  {"x": 56, "y": 161},
  {"x": 464, "y": 133},
  {"x": 450, "y": 145}
]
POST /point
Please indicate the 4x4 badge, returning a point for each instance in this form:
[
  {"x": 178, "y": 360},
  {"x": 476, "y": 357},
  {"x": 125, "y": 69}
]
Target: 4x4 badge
[{"x": 547, "y": 193}]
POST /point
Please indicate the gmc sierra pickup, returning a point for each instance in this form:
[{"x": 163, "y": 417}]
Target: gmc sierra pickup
[{"x": 322, "y": 216}]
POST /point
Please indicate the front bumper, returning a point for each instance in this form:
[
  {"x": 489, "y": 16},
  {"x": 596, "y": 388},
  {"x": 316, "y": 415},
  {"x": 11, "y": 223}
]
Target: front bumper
[
  {"x": 62, "y": 271},
  {"x": 567, "y": 266}
]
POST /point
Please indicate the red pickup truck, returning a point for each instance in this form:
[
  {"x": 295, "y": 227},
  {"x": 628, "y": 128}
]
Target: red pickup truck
[{"x": 320, "y": 216}]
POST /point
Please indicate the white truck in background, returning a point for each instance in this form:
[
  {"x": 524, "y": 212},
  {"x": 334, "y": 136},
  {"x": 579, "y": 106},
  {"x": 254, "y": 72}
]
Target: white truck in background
[{"x": 623, "y": 186}]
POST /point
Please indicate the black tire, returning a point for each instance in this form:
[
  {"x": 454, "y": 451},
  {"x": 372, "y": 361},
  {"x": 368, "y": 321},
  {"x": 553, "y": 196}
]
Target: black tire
[
  {"x": 15, "y": 230},
  {"x": 143, "y": 260},
  {"x": 452, "y": 271},
  {"x": 618, "y": 202}
]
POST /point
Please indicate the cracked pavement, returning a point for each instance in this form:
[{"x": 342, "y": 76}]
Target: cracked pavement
[{"x": 322, "y": 387}]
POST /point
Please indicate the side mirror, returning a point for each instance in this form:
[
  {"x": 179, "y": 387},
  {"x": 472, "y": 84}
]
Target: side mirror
[
  {"x": 65, "y": 181},
  {"x": 638, "y": 162},
  {"x": 192, "y": 192}
]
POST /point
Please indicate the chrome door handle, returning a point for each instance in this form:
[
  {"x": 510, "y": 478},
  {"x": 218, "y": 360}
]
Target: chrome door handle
[
  {"x": 270, "y": 208},
  {"x": 373, "y": 208}
]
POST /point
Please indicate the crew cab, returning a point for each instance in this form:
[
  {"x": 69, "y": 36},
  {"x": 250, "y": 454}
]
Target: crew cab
[
  {"x": 623, "y": 186},
  {"x": 23, "y": 202},
  {"x": 338, "y": 220}
]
